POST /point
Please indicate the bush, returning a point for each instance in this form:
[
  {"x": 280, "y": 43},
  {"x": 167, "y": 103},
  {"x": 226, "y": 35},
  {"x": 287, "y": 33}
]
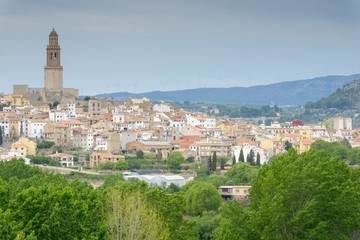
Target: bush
[
  {"x": 121, "y": 165},
  {"x": 45, "y": 144},
  {"x": 44, "y": 160}
]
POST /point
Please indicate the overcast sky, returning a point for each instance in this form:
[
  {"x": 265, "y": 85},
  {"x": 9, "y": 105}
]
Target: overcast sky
[{"x": 146, "y": 45}]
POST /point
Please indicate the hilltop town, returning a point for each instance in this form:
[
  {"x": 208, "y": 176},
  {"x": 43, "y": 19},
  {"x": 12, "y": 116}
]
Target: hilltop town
[{"x": 107, "y": 128}]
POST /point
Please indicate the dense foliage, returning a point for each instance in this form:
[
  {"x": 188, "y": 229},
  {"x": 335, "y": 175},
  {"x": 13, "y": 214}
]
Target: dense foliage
[
  {"x": 45, "y": 144},
  {"x": 314, "y": 195},
  {"x": 307, "y": 196}
]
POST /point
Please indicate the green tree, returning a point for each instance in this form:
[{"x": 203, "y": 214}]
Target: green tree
[
  {"x": 334, "y": 148},
  {"x": 309, "y": 196},
  {"x": 258, "y": 160},
  {"x": 121, "y": 165},
  {"x": 235, "y": 222},
  {"x": 288, "y": 145},
  {"x": 242, "y": 173},
  {"x": 87, "y": 98},
  {"x": 1, "y": 136},
  {"x": 354, "y": 155},
  {"x": 346, "y": 143},
  {"x": 250, "y": 158},
  {"x": 214, "y": 162},
  {"x": 55, "y": 104},
  {"x": 202, "y": 197},
  {"x": 132, "y": 217},
  {"x": 222, "y": 163},
  {"x": 140, "y": 154},
  {"x": 209, "y": 166},
  {"x": 241, "y": 156},
  {"x": 233, "y": 160},
  {"x": 205, "y": 225},
  {"x": 175, "y": 160}
]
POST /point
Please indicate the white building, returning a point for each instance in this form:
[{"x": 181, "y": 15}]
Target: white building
[
  {"x": 57, "y": 116},
  {"x": 36, "y": 127}
]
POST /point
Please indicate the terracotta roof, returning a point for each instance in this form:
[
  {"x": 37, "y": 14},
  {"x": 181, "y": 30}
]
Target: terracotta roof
[
  {"x": 306, "y": 141},
  {"x": 18, "y": 145},
  {"x": 60, "y": 155}
]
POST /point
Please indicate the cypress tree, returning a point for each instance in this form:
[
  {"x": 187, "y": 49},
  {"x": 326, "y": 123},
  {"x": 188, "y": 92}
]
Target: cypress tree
[
  {"x": 209, "y": 163},
  {"x": 250, "y": 158},
  {"x": 214, "y": 162},
  {"x": 258, "y": 159},
  {"x": 241, "y": 156},
  {"x": 222, "y": 164},
  {"x": 1, "y": 136},
  {"x": 233, "y": 160}
]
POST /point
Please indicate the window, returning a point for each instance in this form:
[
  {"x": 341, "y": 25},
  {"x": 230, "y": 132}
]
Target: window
[
  {"x": 55, "y": 55},
  {"x": 51, "y": 56}
]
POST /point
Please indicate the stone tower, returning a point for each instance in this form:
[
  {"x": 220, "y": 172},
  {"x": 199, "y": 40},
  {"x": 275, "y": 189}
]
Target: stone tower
[{"x": 53, "y": 71}]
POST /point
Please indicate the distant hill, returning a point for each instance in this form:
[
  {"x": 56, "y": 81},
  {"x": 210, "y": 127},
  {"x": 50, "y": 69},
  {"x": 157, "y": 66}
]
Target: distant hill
[
  {"x": 283, "y": 93},
  {"x": 345, "y": 98}
]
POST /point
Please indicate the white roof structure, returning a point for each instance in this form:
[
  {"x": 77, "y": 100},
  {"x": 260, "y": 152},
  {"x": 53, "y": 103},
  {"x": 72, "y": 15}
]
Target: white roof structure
[{"x": 159, "y": 180}]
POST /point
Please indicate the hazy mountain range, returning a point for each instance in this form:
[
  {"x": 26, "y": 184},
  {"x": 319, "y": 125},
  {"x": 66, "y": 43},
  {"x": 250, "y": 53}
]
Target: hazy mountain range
[{"x": 284, "y": 93}]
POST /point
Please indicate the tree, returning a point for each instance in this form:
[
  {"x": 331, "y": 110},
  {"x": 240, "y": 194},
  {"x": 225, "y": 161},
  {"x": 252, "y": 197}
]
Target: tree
[
  {"x": 234, "y": 222},
  {"x": 288, "y": 145},
  {"x": 121, "y": 165},
  {"x": 241, "y": 156},
  {"x": 132, "y": 217},
  {"x": 55, "y": 104},
  {"x": 175, "y": 160},
  {"x": 354, "y": 155},
  {"x": 242, "y": 173},
  {"x": 214, "y": 162},
  {"x": 205, "y": 225},
  {"x": 140, "y": 154},
  {"x": 233, "y": 160},
  {"x": 258, "y": 160},
  {"x": 309, "y": 196},
  {"x": 209, "y": 166},
  {"x": 250, "y": 158},
  {"x": 202, "y": 197},
  {"x": 222, "y": 163},
  {"x": 1, "y": 136},
  {"x": 87, "y": 98},
  {"x": 346, "y": 143}
]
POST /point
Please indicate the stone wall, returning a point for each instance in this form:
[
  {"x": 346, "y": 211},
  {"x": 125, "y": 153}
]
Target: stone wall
[{"x": 20, "y": 89}]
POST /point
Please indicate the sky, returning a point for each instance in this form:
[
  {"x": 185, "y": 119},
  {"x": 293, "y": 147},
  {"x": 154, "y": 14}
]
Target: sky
[{"x": 161, "y": 45}]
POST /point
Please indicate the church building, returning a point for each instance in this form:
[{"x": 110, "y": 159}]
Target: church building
[{"x": 53, "y": 78}]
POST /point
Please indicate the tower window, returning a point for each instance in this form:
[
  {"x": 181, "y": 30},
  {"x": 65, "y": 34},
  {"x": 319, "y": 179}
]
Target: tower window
[
  {"x": 50, "y": 55},
  {"x": 55, "y": 55}
]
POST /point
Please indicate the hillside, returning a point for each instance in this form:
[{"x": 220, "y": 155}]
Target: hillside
[
  {"x": 348, "y": 97},
  {"x": 283, "y": 93}
]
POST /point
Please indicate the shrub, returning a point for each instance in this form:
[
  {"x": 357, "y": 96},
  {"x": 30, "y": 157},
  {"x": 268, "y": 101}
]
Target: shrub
[{"x": 45, "y": 144}]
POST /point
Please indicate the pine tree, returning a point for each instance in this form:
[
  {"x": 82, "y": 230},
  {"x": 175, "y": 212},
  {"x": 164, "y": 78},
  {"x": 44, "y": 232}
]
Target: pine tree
[
  {"x": 241, "y": 156},
  {"x": 214, "y": 162},
  {"x": 233, "y": 160},
  {"x": 258, "y": 159}
]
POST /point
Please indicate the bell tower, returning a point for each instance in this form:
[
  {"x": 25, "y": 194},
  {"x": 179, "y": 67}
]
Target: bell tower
[{"x": 53, "y": 71}]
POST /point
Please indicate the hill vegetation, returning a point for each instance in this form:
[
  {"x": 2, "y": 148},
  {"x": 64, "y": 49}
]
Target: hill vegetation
[{"x": 344, "y": 98}]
